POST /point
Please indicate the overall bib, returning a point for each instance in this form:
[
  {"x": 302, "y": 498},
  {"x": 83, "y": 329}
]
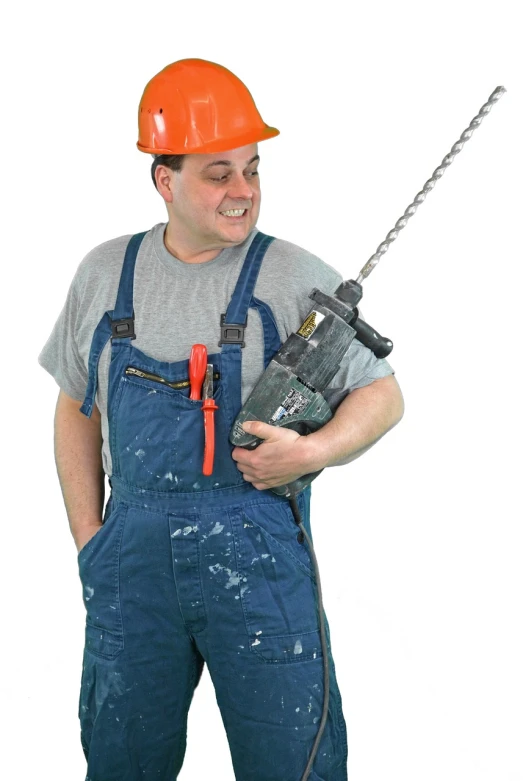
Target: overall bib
[{"x": 188, "y": 569}]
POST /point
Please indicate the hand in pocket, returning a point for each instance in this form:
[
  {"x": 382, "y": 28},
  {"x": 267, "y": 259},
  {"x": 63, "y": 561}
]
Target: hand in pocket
[{"x": 84, "y": 534}]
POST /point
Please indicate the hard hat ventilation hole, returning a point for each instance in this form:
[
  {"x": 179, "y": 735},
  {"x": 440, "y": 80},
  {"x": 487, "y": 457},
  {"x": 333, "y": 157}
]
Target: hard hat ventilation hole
[{"x": 161, "y": 111}]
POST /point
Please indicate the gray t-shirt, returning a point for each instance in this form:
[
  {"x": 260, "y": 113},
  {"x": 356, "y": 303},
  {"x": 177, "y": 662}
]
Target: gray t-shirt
[{"x": 179, "y": 304}]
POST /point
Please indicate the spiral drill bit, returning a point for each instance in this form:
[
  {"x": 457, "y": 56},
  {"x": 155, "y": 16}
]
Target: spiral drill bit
[{"x": 429, "y": 185}]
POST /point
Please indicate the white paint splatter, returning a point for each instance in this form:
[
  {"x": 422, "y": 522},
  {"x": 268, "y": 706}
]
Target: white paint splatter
[
  {"x": 168, "y": 475},
  {"x": 256, "y": 642},
  {"x": 140, "y": 453},
  {"x": 259, "y": 632},
  {"x": 298, "y": 647},
  {"x": 234, "y": 579},
  {"x": 218, "y": 527},
  {"x": 176, "y": 533},
  {"x": 297, "y": 709},
  {"x": 265, "y": 555},
  {"x": 89, "y": 591},
  {"x": 188, "y": 529}
]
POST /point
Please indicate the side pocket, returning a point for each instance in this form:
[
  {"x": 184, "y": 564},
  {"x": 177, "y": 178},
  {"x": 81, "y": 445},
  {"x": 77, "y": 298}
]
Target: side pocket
[
  {"x": 99, "y": 568},
  {"x": 279, "y": 594},
  {"x": 91, "y": 542},
  {"x": 276, "y": 523}
]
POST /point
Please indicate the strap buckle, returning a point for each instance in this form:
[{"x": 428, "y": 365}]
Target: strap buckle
[
  {"x": 232, "y": 333},
  {"x": 123, "y": 328}
]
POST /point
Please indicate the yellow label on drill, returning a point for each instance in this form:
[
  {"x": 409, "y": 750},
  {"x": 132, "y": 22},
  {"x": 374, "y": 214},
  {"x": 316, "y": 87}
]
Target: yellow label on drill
[{"x": 311, "y": 323}]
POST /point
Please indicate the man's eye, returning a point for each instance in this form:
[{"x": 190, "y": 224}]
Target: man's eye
[{"x": 225, "y": 176}]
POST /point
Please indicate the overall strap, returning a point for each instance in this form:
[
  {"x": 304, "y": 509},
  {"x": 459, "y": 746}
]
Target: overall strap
[
  {"x": 241, "y": 298},
  {"x": 234, "y": 322},
  {"x": 123, "y": 312},
  {"x": 271, "y": 337},
  {"x": 118, "y": 324}
]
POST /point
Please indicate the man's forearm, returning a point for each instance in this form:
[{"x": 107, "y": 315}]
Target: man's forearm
[
  {"x": 362, "y": 418},
  {"x": 78, "y": 445}
]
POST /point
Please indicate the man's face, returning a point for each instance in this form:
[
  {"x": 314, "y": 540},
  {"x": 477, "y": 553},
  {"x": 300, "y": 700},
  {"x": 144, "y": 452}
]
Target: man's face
[{"x": 208, "y": 188}]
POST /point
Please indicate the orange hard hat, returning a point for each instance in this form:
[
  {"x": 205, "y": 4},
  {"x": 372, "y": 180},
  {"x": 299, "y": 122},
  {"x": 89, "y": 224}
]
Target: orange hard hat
[{"x": 196, "y": 106}]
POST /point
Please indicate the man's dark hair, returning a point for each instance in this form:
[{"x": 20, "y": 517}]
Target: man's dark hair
[{"x": 174, "y": 162}]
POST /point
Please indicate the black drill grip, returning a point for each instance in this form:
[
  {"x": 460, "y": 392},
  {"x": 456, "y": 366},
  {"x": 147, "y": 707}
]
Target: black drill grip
[{"x": 380, "y": 345}]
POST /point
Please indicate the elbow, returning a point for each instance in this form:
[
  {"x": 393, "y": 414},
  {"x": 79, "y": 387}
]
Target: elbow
[
  {"x": 393, "y": 404},
  {"x": 397, "y": 404}
]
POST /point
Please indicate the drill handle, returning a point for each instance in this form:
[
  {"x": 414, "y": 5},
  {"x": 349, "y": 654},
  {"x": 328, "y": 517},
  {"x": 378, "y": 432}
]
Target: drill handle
[{"x": 381, "y": 346}]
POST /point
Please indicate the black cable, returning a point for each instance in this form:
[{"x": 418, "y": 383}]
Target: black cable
[{"x": 323, "y": 637}]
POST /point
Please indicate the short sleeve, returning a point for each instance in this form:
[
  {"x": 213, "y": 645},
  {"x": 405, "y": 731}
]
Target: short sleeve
[
  {"x": 60, "y": 355},
  {"x": 298, "y": 272},
  {"x": 358, "y": 368}
]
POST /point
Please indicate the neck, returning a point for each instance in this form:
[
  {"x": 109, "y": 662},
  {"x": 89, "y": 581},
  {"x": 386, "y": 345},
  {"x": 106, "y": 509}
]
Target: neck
[{"x": 185, "y": 250}]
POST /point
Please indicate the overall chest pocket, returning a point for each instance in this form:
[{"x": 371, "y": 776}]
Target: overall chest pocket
[{"x": 157, "y": 432}]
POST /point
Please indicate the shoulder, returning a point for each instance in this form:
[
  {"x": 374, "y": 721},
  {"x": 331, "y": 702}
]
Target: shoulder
[
  {"x": 292, "y": 266},
  {"x": 101, "y": 265}
]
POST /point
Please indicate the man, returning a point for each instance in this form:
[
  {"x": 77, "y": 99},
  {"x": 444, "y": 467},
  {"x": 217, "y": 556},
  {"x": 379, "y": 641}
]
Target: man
[{"x": 188, "y": 568}]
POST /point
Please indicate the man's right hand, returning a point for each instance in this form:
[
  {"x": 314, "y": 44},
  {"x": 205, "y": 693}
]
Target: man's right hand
[
  {"x": 78, "y": 453},
  {"x": 84, "y": 534}
]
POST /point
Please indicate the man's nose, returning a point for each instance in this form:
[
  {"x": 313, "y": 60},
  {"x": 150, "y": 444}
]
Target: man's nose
[{"x": 239, "y": 187}]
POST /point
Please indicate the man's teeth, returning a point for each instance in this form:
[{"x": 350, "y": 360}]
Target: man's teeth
[{"x": 234, "y": 212}]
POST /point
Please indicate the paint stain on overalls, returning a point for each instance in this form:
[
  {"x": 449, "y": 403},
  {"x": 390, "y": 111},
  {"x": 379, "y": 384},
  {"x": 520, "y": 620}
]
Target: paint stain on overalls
[{"x": 188, "y": 570}]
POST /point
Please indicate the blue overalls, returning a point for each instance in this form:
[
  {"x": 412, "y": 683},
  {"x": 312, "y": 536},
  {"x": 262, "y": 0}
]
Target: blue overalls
[{"x": 188, "y": 569}]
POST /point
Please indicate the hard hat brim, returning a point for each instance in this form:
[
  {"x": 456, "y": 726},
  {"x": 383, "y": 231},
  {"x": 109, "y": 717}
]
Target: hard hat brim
[{"x": 217, "y": 144}]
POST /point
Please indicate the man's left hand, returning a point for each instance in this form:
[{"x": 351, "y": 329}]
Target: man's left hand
[{"x": 279, "y": 460}]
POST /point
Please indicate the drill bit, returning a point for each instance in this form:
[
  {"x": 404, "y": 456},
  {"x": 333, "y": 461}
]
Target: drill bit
[{"x": 429, "y": 184}]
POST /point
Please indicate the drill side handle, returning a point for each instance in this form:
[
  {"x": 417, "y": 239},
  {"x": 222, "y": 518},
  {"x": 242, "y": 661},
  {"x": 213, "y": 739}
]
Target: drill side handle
[{"x": 381, "y": 346}]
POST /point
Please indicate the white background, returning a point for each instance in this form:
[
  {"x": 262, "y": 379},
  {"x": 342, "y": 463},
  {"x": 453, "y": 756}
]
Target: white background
[{"x": 419, "y": 542}]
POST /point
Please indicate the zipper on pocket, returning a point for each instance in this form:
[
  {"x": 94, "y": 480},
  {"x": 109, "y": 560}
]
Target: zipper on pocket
[{"x": 132, "y": 370}]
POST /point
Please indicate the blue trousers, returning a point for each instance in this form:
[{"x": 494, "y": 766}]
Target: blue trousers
[{"x": 229, "y": 586}]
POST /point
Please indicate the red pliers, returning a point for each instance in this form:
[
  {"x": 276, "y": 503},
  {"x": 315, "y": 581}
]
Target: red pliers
[
  {"x": 201, "y": 371},
  {"x": 208, "y": 407}
]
